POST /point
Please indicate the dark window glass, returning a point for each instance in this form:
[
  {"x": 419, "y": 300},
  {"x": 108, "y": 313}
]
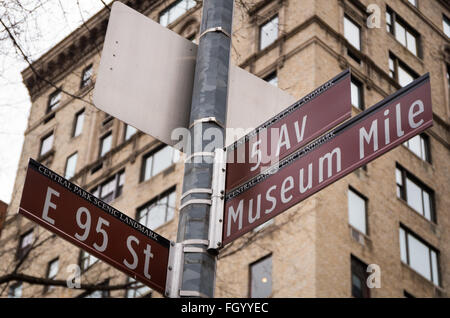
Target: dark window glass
[
  {"x": 359, "y": 279},
  {"x": 54, "y": 101}
]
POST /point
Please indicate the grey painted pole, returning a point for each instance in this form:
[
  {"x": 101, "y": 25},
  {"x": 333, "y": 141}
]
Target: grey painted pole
[{"x": 208, "y": 112}]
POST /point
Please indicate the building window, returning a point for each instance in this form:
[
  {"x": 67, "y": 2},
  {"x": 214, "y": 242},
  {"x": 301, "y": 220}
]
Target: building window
[
  {"x": 158, "y": 211},
  {"x": 268, "y": 33},
  {"x": 71, "y": 164},
  {"x": 400, "y": 72},
  {"x": 413, "y": 2},
  {"x": 446, "y": 25},
  {"x": 52, "y": 271},
  {"x": 15, "y": 291},
  {"x": 405, "y": 34},
  {"x": 419, "y": 255},
  {"x": 78, "y": 124},
  {"x": 138, "y": 290},
  {"x": 86, "y": 77},
  {"x": 359, "y": 279},
  {"x": 420, "y": 146},
  {"x": 54, "y": 101},
  {"x": 415, "y": 193},
  {"x": 46, "y": 144},
  {"x": 25, "y": 243},
  {"x": 352, "y": 32},
  {"x": 86, "y": 260},
  {"x": 175, "y": 11},
  {"x": 105, "y": 144},
  {"x": 157, "y": 161},
  {"x": 111, "y": 188},
  {"x": 261, "y": 278},
  {"x": 357, "y": 211},
  {"x": 357, "y": 94},
  {"x": 272, "y": 78},
  {"x": 129, "y": 131}
]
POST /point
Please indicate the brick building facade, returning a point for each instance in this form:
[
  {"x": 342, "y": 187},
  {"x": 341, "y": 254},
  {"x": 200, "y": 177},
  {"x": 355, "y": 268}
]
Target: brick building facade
[{"x": 393, "y": 212}]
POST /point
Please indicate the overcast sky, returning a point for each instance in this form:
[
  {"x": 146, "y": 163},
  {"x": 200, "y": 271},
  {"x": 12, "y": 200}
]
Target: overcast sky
[{"x": 48, "y": 25}]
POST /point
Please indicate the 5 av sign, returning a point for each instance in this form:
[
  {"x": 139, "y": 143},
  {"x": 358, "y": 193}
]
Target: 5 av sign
[
  {"x": 89, "y": 223},
  {"x": 310, "y": 169}
]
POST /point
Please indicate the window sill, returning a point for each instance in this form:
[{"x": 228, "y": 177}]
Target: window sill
[{"x": 363, "y": 239}]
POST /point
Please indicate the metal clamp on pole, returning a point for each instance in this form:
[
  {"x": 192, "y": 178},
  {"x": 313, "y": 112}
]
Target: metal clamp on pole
[
  {"x": 217, "y": 202},
  {"x": 174, "y": 270}
]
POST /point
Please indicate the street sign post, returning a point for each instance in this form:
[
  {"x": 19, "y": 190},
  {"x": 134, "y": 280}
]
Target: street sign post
[
  {"x": 365, "y": 137},
  {"x": 307, "y": 119},
  {"x": 89, "y": 223}
]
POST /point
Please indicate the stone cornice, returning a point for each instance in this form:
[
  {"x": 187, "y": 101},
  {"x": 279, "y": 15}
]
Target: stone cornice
[{"x": 84, "y": 41}]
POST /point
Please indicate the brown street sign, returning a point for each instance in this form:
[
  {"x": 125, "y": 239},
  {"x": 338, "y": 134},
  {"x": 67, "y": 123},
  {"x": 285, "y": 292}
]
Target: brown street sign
[
  {"x": 89, "y": 223},
  {"x": 302, "y": 122},
  {"x": 365, "y": 137}
]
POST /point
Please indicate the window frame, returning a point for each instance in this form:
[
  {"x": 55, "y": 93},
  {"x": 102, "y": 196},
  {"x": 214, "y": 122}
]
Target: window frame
[
  {"x": 50, "y": 134},
  {"x": 431, "y": 249},
  {"x": 250, "y": 280},
  {"x": 425, "y": 147},
  {"x": 86, "y": 82},
  {"x": 271, "y": 77},
  {"x": 152, "y": 153},
  {"x": 352, "y": 21},
  {"x": 392, "y": 29},
  {"x": 14, "y": 287},
  {"x": 446, "y": 23},
  {"x": 75, "y": 123},
  {"x": 67, "y": 165},
  {"x": 23, "y": 250},
  {"x": 102, "y": 139},
  {"x": 86, "y": 256},
  {"x": 118, "y": 187},
  {"x": 260, "y": 31},
  {"x": 52, "y": 106},
  {"x": 145, "y": 208},
  {"x": 170, "y": 7},
  {"x": 48, "y": 288},
  {"x": 397, "y": 63},
  {"x": 126, "y": 130},
  {"x": 366, "y": 207},
  {"x": 401, "y": 192},
  {"x": 360, "y": 86},
  {"x": 359, "y": 269}
]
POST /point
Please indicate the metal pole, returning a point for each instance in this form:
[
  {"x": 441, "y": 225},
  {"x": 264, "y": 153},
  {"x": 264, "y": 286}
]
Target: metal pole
[{"x": 208, "y": 112}]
